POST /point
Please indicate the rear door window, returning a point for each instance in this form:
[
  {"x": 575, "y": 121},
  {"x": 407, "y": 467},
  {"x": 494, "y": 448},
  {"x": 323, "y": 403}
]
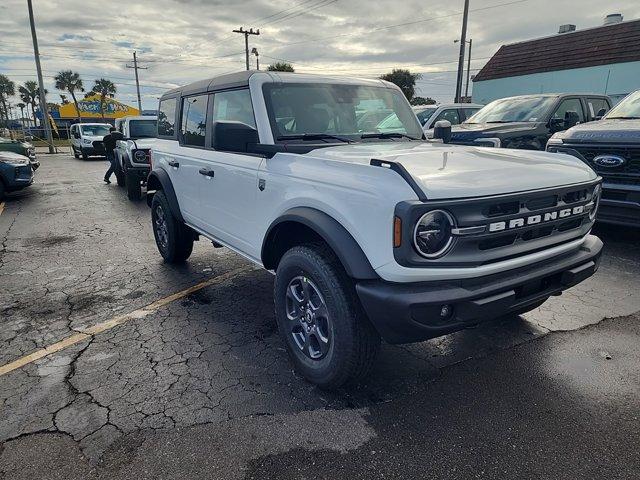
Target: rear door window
[
  {"x": 597, "y": 107},
  {"x": 193, "y": 126},
  {"x": 167, "y": 118}
]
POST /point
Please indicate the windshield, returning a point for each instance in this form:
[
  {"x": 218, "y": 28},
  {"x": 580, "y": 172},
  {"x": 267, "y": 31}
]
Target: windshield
[
  {"x": 143, "y": 128},
  {"x": 515, "y": 109},
  {"x": 321, "y": 111},
  {"x": 96, "y": 130},
  {"x": 425, "y": 115},
  {"x": 629, "y": 107}
]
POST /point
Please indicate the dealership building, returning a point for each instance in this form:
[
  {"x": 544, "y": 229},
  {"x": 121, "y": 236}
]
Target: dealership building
[{"x": 604, "y": 60}]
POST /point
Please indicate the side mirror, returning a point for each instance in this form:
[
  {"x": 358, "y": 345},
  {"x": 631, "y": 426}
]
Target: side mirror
[
  {"x": 571, "y": 119},
  {"x": 556, "y": 125},
  {"x": 234, "y": 136},
  {"x": 28, "y": 138},
  {"x": 442, "y": 130}
]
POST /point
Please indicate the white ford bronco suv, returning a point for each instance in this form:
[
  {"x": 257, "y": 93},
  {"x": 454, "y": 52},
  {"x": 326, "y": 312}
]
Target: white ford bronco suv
[
  {"x": 371, "y": 234},
  {"x": 132, "y": 153}
]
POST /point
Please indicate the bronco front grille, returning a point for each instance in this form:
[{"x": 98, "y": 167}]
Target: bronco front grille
[{"x": 492, "y": 229}]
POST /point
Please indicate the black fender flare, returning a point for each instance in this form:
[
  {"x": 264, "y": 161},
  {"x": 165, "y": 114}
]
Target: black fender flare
[
  {"x": 355, "y": 262},
  {"x": 159, "y": 180}
]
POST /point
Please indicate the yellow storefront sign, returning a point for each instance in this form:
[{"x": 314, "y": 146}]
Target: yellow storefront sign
[{"x": 90, "y": 108}]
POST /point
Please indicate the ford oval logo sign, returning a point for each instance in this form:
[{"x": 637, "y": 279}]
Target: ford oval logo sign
[{"x": 609, "y": 161}]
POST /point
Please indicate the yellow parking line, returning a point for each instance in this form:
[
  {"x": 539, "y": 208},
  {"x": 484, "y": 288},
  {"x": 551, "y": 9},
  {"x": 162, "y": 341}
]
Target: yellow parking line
[
  {"x": 1, "y": 207},
  {"x": 88, "y": 332}
]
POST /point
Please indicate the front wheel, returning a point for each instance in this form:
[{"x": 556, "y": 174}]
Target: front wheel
[
  {"x": 75, "y": 152},
  {"x": 327, "y": 335},
  {"x": 173, "y": 238},
  {"x": 119, "y": 175}
]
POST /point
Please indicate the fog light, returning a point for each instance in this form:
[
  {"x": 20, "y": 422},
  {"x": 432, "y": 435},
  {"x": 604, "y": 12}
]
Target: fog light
[{"x": 446, "y": 311}]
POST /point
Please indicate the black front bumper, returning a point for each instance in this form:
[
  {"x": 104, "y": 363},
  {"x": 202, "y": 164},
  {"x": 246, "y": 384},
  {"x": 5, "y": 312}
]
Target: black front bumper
[
  {"x": 404, "y": 313},
  {"x": 620, "y": 204}
]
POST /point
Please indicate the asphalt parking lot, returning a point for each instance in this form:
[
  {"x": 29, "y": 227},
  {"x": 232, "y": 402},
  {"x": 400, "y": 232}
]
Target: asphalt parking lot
[{"x": 157, "y": 371}]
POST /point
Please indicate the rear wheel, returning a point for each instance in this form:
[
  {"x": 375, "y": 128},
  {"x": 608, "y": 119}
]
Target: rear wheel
[
  {"x": 134, "y": 189},
  {"x": 173, "y": 238},
  {"x": 327, "y": 335}
]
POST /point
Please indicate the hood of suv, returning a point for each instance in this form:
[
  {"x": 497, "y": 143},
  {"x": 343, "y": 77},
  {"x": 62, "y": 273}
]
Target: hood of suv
[
  {"x": 607, "y": 131},
  {"x": 143, "y": 143},
  {"x": 453, "y": 171},
  {"x": 471, "y": 131}
]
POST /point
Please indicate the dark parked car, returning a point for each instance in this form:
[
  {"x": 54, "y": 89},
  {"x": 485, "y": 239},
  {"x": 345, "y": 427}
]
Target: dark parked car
[
  {"x": 18, "y": 146},
  {"x": 612, "y": 148},
  {"x": 16, "y": 172},
  {"x": 527, "y": 121}
]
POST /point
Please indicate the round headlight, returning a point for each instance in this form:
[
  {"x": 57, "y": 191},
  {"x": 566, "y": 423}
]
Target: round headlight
[
  {"x": 140, "y": 156},
  {"x": 432, "y": 236},
  {"x": 595, "y": 199}
]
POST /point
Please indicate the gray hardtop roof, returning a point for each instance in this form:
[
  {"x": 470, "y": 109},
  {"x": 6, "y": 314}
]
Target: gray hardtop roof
[{"x": 241, "y": 79}]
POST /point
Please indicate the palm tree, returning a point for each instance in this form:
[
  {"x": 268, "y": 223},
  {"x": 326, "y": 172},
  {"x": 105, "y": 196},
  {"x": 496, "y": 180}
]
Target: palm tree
[
  {"x": 7, "y": 89},
  {"x": 281, "y": 67},
  {"x": 71, "y": 82},
  {"x": 29, "y": 94},
  {"x": 105, "y": 88},
  {"x": 21, "y": 107}
]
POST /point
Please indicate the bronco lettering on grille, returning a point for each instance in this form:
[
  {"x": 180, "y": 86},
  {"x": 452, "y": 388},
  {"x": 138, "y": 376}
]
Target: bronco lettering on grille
[{"x": 534, "y": 219}]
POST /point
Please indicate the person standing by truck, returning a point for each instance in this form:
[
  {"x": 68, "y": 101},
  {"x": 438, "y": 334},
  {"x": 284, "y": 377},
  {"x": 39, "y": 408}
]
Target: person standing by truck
[{"x": 109, "y": 142}]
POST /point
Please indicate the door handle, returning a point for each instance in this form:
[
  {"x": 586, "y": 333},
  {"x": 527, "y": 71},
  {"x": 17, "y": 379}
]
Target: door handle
[
  {"x": 173, "y": 163},
  {"x": 206, "y": 172}
]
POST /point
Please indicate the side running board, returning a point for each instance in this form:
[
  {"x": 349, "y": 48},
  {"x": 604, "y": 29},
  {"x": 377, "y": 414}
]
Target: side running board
[{"x": 400, "y": 170}]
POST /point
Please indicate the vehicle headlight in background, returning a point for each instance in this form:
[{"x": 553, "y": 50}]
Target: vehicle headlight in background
[
  {"x": 86, "y": 141},
  {"x": 140, "y": 156},
  {"x": 595, "y": 198},
  {"x": 432, "y": 236}
]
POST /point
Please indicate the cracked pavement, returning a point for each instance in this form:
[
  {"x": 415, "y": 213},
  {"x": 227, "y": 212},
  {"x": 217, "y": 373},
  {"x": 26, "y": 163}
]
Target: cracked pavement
[{"x": 202, "y": 388}]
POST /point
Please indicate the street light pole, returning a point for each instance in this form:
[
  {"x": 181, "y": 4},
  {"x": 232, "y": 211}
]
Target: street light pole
[
  {"x": 43, "y": 99},
  {"x": 466, "y": 88},
  {"x": 136, "y": 67},
  {"x": 463, "y": 44}
]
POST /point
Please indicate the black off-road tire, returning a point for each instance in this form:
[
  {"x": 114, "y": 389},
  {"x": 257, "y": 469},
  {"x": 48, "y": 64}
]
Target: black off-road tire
[
  {"x": 134, "y": 189},
  {"x": 1, "y": 191},
  {"x": 178, "y": 244},
  {"x": 353, "y": 341},
  {"x": 119, "y": 176}
]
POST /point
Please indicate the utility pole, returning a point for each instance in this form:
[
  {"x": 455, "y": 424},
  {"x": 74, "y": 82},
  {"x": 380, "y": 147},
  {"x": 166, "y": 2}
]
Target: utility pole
[
  {"x": 466, "y": 88},
  {"x": 246, "y": 34},
  {"x": 463, "y": 44},
  {"x": 135, "y": 68},
  {"x": 43, "y": 99}
]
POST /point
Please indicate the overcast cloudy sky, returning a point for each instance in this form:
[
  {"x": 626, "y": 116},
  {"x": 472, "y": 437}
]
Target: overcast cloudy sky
[{"x": 185, "y": 40}]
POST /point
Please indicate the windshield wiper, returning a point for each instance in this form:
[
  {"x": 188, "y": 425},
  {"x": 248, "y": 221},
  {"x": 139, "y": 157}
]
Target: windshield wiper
[
  {"x": 314, "y": 136},
  {"x": 623, "y": 118},
  {"x": 388, "y": 135}
]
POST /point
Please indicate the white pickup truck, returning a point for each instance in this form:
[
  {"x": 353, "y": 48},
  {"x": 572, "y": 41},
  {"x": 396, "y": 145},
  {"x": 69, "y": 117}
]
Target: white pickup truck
[
  {"x": 132, "y": 153},
  {"x": 371, "y": 234}
]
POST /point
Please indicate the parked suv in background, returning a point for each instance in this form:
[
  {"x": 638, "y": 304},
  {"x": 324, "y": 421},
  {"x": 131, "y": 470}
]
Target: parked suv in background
[
  {"x": 86, "y": 139},
  {"x": 21, "y": 147},
  {"x": 612, "y": 148},
  {"x": 371, "y": 233},
  {"x": 132, "y": 153},
  {"x": 454, "y": 113},
  {"x": 528, "y": 121}
]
